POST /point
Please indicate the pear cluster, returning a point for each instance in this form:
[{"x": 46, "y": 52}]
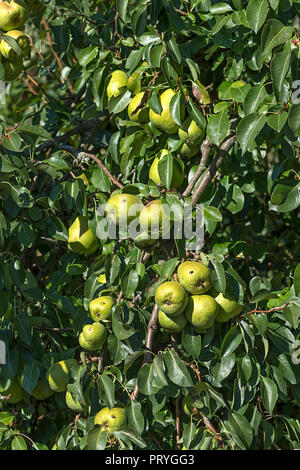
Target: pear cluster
[
  {"x": 192, "y": 299},
  {"x": 14, "y": 43}
]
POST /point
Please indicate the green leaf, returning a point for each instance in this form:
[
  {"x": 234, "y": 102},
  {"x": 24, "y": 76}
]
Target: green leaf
[
  {"x": 294, "y": 118},
  {"x": 277, "y": 121},
  {"x": 177, "y": 371},
  {"x": 175, "y": 109},
  {"x": 191, "y": 341},
  {"x": 249, "y": 128},
  {"x": 119, "y": 103},
  {"x": 127, "y": 433},
  {"x": 30, "y": 376},
  {"x": 165, "y": 170},
  {"x": 218, "y": 127},
  {"x": 240, "y": 429},
  {"x": 269, "y": 394},
  {"x": 6, "y": 417},
  {"x": 254, "y": 98},
  {"x": 18, "y": 443},
  {"x": 279, "y": 68},
  {"x": 96, "y": 439},
  {"x": 122, "y": 9},
  {"x": 109, "y": 388},
  {"x": 257, "y": 12},
  {"x": 273, "y": 34},
  {"x": 297, "y": 280},
  {"x": 135, "y": 416}
]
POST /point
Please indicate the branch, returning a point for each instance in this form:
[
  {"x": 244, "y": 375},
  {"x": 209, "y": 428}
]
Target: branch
[
  {"x": 213, "y": 168},
  {"x": 178, "y": 413},
  {"x": 152, "y": 327},
  {"x": 274, "y": 309},
  {"x": 205, "y": 151},
  {"x": 101, "y": 165}
]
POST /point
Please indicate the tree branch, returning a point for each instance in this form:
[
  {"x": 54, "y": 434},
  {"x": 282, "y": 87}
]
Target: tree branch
[
  {"x": 213, "y": 168},
  {"x": 205, "y": 151},
  {"x": 101, "y": 165}
]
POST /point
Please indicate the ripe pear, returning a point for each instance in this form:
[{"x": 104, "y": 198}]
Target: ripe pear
[
  {"x": 171, "y": 298},
  {"x": 13, "y": 14},
  {"x": 78, "y": 406},
  {"x": 228, "y": 308},
  {"x": 12, "y": 69},
  {"x": 123, "y": 208},
  {"x": 117, "y": 81},
  {"x": 100, "y": 308},
  {"x": 201, "y": 311},
  {"x": 178, "y": 171},
  {"x": 81, "y": 238},
  {"x": 171, "y": 323},
  {"x": 164, "y": 121},
  {"x": 58, "y": 374},
  {"x": 111, "y": 420},
  {"x": 153, "y": 219},
  {"x": 42, "y": 390},
  {"x": 142, "y": 114},
  {"x": 191, "y": 132},
  {"x": 194, "y": 276},
  {"x": 93, "y": 336},
  {"x": 23, "y": 41},
  {"x": 15, "y": 392}
]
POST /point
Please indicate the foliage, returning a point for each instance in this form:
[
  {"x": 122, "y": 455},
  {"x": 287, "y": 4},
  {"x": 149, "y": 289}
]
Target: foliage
[{"x": 235, "y": 69}]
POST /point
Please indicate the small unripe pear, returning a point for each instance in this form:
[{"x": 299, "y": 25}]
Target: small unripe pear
[
  {"x": 58, "y": 374},
  {"x": 117, "y": 81},
  {"x": 111, "y": 419},
  {"x": 228, "y": 308},
  {"x": 171, "y": 323},
  {"x": 154, "y": 219},
  {"x": 194, "y": 276},
  {"x": 201, "y": 311},
  {"x": 164, "y": 121},
  {"x": 178, "y": 173},
  {"x": 81, "y": 238},
  {"x": 93, "y": 336},
  {"x": 123, "y": 208},
  {"x": 13, "y": 14},
  {"x": 142, "y": 115},
  {"x": 171, "y": 298},
  {"x": 100, "y": 308}
]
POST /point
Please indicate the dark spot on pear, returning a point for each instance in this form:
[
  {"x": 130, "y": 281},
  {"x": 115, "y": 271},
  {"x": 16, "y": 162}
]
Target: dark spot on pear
[{"x": 191, "y": 272}]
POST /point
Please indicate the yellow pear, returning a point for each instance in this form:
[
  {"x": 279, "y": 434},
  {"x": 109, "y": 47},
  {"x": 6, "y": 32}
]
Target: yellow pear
[
  {"x": 194, "y": 276},
  {"x": 191, "y": 132},
  {"x": 58, "y": 374},
  {"x": 101, "y": 278},
  {"x": 142, "y": 114},
  {"x": 93, "y": 336},
  {"x": 23, "y": 41},
  {"x": 228, "y": 308},
  {"x": 201, "y": 311},
  {"x": 81, "y": 238},
  {"x": 78, "y": 406},
  {"x": 134, "y": 82},
  {"x": 42, "y": 390},
  {"x": 117, "y": 81},
  {"x": 178, "y": 171},
  {"x": 123, "y": 208},
  {"x": 154, "y": 219},
  {"x": 100, "y": 308},
  {"x": 171, "y": 323},
  {"x": 13, "y": 14},
  {"x": 144, "y": 239},
  {"x": 111, "y": 419},
  {"x": 163, "y": 121},
  {"x": 188, "y": 150},
  {"x": 171, "y": 298},
  {"x": 12, "y": 69}
]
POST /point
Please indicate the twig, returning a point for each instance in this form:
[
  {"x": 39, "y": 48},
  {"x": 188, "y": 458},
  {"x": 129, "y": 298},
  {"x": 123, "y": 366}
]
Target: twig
[
  {"x": 205, "y": 151},
  {"x": 213, "y": 168},
  {"x": 274, "y": 309},
  {"x": 152, "y": 327},
  {"x": 146, "y": 94},
  {"x": 178, "y": 414},
  {"x": 103, "y": 167},
  {"x": 44, "y": 21}
]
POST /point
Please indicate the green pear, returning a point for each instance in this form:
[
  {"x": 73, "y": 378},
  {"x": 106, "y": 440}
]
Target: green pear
[
  {"x": 188, "y": 150},
  {"x": 142, "y": 114},
  {"x": 15, "y": 392},
  {"x": 123, "y": 208},
  {"x": 144, "y": 240},
  {"x": 81, "y": 238},
  {"x": 111, "y": 419},
  {"x": 153, "y": 218},
  {"x": 12, "y": 69},
  {"x": 171, "y": 298},
  {"x": 78, "y": 406},
  {"x": 134, "y": 82},
  {"x": 171, "y": 323},
  {"x": 191, "y": 132},
  {"x": 100, "y": 308},
  {"x": 42, "y": 390},
  {"x": 117, "y": 81},
  {"x": 228, "y": 308},
  {"x": 194, "y": 276},
  {"x": 58, "y": 374},
  {"x": 163, "y": 121},
  {"x": 93, "y": 336},
  {"x": 178, "y": 171},
  {"x": 23, "y": 41},
  {"x": 201, "y": 311},
  {"x": 13, "y": 14}
]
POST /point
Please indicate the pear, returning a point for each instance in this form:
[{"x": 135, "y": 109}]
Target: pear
[
  {"x": 13, "y": 14},
  {"x": 142, "y": 114},
  {"x": 188, "y": 150},
  {"x": 78, "y": 406},
  {"x": 15, "y": 392},
  {"x": 228, "y": 308},
  {"x": 194, "y": 276},
  {"x": 191, "y": 132},
  {"x": 171, "y": 298},
  {"x": 101, "y": 279},
  {"x": 111, "y": 419},
  {"x": 178, "y": 171},
  {"x": 134, "y": 82},
  {"x": 58, "y": 374},
  {"x": 117, "y": 81},
  {"x": 23, "y": 41},
  {"x": 144, "y": 240},
  {"x": 171, "y": 323},
  {"x": 163, "y": 121},
  {"x": 93, "y": 336},
  {"x": 123, "y": 208},
  {"x": 12, "y": 69},
  {"x": 100, "y": 308},
  {"x": 42, "y": 390},
  {"x": 153, "y": 219},
  {"x": 81, "y": 238},
  {"x": 201, "y": 311}
]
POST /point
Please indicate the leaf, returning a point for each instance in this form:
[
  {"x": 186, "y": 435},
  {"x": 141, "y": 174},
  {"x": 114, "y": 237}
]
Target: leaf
[
  {"x": 269, "y": 394},
  {"x": 217, "y": 276},
  {"x": 257, "y": 12},
  {"x": 294, "y": 118},
  {"x": 277, "y": 121},
  {"x": 175, "y": 109},
  {"x": 119, "y": 103},
  {"x": 213, "y": 213},
  {"x": 240, "y": 429},
  {"x": 6, "y": 417},
  {"x": 135, "y": 416},
  {"x": 279, "y": 68},
  {"x": 30, "y": 376},
  {"x": 177, "y": 371},
  {"x": 96, "y": 439},
  {"x": 18, "y": 443},
  {"x": 273, "y": 34},
  {"x": 165, "y": 170},
  {"x": 297, "y": 280},
  {"x": 191, "y": 341},
  {"x": 249, "y": 128},
  {"x": 254, "y": 98},
  {"x": 126, "y": 433},
  {"x": 109, "y": 388},
  {"x": 122, "y": 9},
  {"x": 218, "y": 127}
]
